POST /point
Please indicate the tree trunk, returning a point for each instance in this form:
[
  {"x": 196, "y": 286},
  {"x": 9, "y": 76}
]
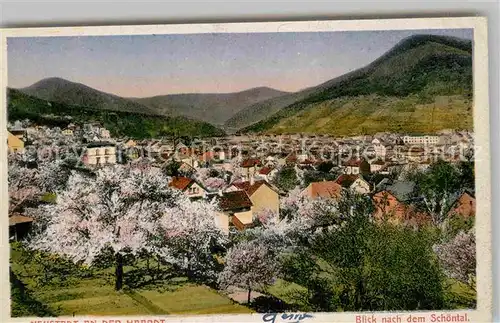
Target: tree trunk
[
  {"x": 249, "y": 293},
  {"x": 119, "y": 272}
]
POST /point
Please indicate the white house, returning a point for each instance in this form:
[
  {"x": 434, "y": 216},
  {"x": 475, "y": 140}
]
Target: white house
[
  {"x": 421, "y": 140},
  {"x": 189, "y": 186},
  {"x": 100, "y": 154}
]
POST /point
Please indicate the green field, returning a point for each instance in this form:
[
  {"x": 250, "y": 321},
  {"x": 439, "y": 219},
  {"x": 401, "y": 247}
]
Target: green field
[{"x": 96, "y": 295}]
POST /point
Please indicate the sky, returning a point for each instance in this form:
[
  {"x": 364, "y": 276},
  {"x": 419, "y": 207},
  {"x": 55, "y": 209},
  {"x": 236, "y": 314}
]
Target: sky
[{"x": 148, "y": 65}]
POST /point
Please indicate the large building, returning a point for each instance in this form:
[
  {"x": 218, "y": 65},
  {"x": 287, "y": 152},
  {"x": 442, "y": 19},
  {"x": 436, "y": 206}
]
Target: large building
[
  {"x": 100, "y": 154},
  {"x": 421, "y": 140}
]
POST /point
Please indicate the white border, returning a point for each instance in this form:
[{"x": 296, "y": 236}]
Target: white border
[{"x": 481, "y": 129}]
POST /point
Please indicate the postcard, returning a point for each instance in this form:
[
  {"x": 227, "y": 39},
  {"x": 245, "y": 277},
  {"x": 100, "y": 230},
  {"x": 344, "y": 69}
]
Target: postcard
[{"x": 313, "y": 171}]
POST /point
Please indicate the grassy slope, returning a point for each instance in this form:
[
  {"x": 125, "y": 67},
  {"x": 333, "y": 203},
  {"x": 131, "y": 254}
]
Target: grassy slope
[
  {"x": 96, "y": 296},
  {"x": 120, "y": 123},
  {"x": 371, "y": 114},
  {"x": 425, "y": 66}
]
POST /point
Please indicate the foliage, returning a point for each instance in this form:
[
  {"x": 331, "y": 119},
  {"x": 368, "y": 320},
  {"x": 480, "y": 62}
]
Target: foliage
[
  {"x": 361, "y": 265},
  {"x": 455, "y": 223},
  {"x": 171, "y": 168},
  {"x": 50, "y": 269},
  {"x": 438, "y": 187},
  {"x": 23, "y": 304},
  {"x": 317, "y": 176},
  {"x": 286, "y": 179}
]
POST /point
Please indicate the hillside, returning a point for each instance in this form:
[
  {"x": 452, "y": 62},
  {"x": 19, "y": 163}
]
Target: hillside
[
  {"x": 71, "y": 93},
  {"x": 416, "y": 71},
  {"x": 120, "y": 123},
  {"x": 210, "y": 107}
]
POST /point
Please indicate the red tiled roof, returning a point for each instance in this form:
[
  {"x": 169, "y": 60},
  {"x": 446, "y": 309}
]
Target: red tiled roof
[
  {"x": 386, "y": 204},
  {"x": 353, "y": 163},
  {"x": 307, "y": 162},
  {"x": 181, "y": 183},
  {"x": 325, "y": 189},
  {"x": 265, "y": 171},
  {"x": 250, "y": 162},
  {"x": 250, "y": 189},
  {"x": 464, "y": 206},
  {"x": 346, "y": 180},
  {"x": 207, "y": 156},
  {"x": 234, "y": 200},
  {"x": 292, "y": 158}
]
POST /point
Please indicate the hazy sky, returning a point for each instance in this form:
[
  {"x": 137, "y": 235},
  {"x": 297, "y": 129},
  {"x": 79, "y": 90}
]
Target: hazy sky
[{"x": 161, "y": 64}]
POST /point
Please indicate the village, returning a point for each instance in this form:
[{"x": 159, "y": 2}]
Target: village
[{"x": 248, "y": 175}]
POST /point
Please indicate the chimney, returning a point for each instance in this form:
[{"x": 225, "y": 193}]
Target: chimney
[
  {"x": 252, "y": 181},
  {"x": 220, "y": 192}
]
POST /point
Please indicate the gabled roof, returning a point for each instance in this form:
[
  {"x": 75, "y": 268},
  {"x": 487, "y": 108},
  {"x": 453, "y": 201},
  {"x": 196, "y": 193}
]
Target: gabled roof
[
  {"x": 234, "y": 201},
  {"x": 401, "y": 189},
  {"x": 325, "y": 189},
  {"x": 265, "y": 170},
  {"x": 353, "y": 163},
  {"x": 250, "y": 162},
  {"x": 181, "y": 183},
  {"x": 346, "y": 180},
  {"x": 252, "y": 188}
]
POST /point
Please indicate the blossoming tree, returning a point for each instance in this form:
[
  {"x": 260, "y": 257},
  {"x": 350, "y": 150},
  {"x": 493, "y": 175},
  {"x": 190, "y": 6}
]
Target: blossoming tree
[
  {"x": 458, "y": 257},
  {"x": 249, "y": 265},
  {"x": 122, "y": 209}
]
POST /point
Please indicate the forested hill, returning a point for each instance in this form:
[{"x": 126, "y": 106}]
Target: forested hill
[
  {"x": 423, "y": 75},
  {"x": 120, "y": 123}
]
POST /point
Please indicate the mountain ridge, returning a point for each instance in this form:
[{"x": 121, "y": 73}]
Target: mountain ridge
[
  {"x": 215, "y": 108},
  {"x": 425, "y": 64}
]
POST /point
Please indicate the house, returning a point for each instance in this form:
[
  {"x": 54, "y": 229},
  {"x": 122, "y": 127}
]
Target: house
[
  {"x": 250, "y": 166},
  {"x": 105, "y": 133},
  {"x": 130, "y": 143},
  {"x": 14, "y": 143},
  {"x": 379, "y": 147},
  {"x": 465, "y": 206},
  {"x": 356, "y": 166},
  {"x": 235, "y": 210},
  {"x": 355, "y": 183},
  {"x": 402, "y": 190},
  {"x": 99, "y": 154},
  {"x": 266, "y": 173},
  {"x": 18, "y": 132},
  {"x": 186, "y": 168},
  {"x": 190, "y": 159},
  {"x": 19, "y": 226},
  {"x": 68, "y": 132},
  {"x": 324, "y": 189},
  {"x": 377, "y": 165},
  {"x": 263, "y": 195},
  {"x": 389, "y": 207},
  {"x": 189, "y": 186}
]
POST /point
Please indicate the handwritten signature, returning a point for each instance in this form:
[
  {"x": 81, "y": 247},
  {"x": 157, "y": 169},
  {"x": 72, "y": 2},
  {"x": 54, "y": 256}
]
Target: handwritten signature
[{"x": 288, "y": 317}]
